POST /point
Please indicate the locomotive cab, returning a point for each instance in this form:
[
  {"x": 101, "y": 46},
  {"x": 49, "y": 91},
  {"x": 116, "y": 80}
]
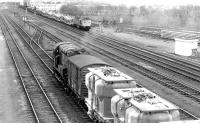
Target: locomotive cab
[
  {"x": 101, "y": 82},
  {"x": 139, "y": 105},
  {"x": 62, "y": 51},
  {"x": 86, "y": 23}
]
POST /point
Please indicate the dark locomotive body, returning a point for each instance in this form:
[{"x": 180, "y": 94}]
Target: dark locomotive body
[
  {"x": 71, "y": 64},
  {"x": 61, "y": 54}
]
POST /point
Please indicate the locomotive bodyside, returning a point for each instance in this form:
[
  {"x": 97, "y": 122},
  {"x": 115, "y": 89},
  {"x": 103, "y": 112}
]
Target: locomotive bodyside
[{"x": 82, "y": 23}]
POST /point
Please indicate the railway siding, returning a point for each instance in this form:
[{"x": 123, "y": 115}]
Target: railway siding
[
  {"x": 41, "y": 106},
  {"x": 66, "y": 107},
  {"x": 97, "y": 49}
]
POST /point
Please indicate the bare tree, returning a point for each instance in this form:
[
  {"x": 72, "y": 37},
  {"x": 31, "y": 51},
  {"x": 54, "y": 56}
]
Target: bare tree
[{"x": 72, "y": 10}]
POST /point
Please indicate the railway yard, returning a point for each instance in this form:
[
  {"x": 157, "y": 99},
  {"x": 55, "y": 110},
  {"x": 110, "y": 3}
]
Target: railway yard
[{"x": 31, "y": 93}]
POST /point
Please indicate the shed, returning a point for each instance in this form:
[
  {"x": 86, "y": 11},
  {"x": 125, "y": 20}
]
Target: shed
[{"x": 185, "y": 47}]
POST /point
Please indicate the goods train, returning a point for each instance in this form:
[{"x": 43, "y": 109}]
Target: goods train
[
  {"x": 107, "y": 94},
  {"x": 83, "y": 23}
]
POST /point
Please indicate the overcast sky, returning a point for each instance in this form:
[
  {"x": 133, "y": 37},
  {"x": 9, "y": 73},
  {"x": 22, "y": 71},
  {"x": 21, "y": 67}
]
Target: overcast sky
[
  {"x": 153, "y": 2},
  {"x": 143, "y": 2}
]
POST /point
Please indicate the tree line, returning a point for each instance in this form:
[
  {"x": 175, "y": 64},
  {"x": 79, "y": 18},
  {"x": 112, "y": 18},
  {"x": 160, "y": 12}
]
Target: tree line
[
  {"x": 182, "y": 16},
  {"x": 179, "y": 17}
]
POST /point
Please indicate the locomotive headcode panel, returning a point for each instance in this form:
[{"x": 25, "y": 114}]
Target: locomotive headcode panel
[
  {"x": 101, "y": 82},
  {"x": 139, "y": 105}
]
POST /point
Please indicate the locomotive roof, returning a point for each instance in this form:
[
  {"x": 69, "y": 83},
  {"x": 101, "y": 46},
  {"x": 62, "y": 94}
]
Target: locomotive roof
[
  {"x": 86, "y": 60},
  {"x": 145, "y": 100},
  {"x": 67, "y": 47},
  {"x": 110, "y": 74},
  {"x": 61, "y": 43}
]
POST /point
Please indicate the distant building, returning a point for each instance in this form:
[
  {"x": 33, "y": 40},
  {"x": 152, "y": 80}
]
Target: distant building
[
  {"x": 108, "y": 12},
  {"x": 53, "y": 5}
]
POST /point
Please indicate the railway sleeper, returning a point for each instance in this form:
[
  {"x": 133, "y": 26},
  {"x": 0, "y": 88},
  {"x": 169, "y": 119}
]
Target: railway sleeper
[{"x": 95, "y": 117}]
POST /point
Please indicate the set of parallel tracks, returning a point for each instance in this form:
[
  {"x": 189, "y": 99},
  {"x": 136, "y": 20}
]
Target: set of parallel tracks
[
  {"x": 161, "y": 32},
  {"x": 48, "y": 62},
  {"x": 166, "y": 62},
  {"x": 42, "y": 108},
  {"x": 135, "y": 67},
  {"x": 121, "y": 60}
]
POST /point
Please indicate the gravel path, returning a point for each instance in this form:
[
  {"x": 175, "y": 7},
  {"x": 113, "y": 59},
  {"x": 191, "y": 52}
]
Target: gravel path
[{"x": 13, "y": 106}]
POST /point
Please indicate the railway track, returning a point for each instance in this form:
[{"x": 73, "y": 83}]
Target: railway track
[
  {"x": 37, "y": 36},
  {"x": 191, "y": 70},
  {"x": 185, "y": 68},
  {"x": 123, "y": 61},
  {"x": 162, "y": 32},
  {"x": 42, "y": 108},
  {"x": 48, "y": 62},
  {"x": 179, "y": 66},
  {"x": 72, "y": 36}
]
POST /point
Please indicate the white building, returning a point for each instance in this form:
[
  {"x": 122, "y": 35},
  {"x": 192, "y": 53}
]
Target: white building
[
  {"x": 185, "y": 47},
  {"x": 44, "y": 5}
]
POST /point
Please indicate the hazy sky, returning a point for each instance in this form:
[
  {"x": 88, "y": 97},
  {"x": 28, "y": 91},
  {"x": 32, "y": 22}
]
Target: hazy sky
[
  {"x": 153, "y": 2},
  {"x": 143, "y": 2}
]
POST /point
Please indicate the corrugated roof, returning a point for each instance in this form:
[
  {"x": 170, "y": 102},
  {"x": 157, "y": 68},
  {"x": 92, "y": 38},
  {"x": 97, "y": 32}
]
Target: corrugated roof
[
  {"x": 66, "y": 48},
  {"x": 60, "y": 43},
  {"x": 69, "y": 48},
  {"x": 85, "y": 60}
]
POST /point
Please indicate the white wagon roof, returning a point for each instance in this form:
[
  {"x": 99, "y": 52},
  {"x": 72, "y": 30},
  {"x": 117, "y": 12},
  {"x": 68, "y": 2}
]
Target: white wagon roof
[
  {"x": 110, "y": 74},
  {"x": 145, "y": 100}
]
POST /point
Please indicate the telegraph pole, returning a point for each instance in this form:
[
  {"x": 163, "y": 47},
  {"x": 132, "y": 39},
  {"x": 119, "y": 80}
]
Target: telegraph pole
[{"x": 26, "y": 10}]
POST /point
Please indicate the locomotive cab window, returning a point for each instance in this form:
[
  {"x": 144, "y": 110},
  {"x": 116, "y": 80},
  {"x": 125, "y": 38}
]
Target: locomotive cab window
[{"x": 57, "y": 57}]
